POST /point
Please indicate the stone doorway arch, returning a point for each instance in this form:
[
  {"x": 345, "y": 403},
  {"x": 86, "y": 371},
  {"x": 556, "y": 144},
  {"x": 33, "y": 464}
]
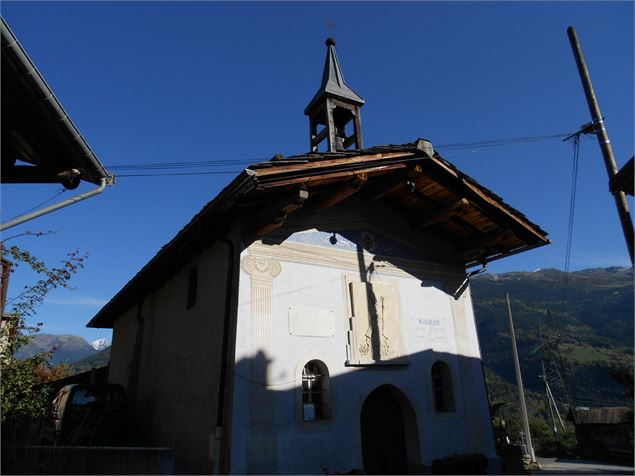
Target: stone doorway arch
[{"x": 390, "y": 436}]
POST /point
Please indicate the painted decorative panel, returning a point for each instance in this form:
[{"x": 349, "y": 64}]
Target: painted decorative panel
[{"x": 375, "y": 323}]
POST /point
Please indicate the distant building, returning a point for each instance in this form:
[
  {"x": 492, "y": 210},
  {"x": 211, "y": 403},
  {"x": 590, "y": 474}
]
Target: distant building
[
  {"x": 316, "y": 315},
  {"x": 623, "y": 180},
  {"x": 605, "y": 432}
]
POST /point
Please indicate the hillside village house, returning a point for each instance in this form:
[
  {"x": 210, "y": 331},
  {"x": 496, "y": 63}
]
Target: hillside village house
[{"x": 316, "y": 314}]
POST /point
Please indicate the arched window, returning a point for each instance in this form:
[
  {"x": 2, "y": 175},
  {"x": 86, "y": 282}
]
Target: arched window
[
  {"x": 315, "y": 391},
  {"x": 442, "y": 388}
]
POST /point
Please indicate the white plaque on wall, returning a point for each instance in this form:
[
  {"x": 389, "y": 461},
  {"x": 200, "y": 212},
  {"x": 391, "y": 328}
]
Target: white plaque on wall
[{"x": 311, "y": 322}]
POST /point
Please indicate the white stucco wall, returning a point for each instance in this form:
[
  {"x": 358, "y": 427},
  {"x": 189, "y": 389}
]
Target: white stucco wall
[{"x": 303, "y": 272}]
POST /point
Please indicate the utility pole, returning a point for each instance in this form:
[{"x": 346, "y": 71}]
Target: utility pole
[
  {"x": 603, "y": 139},
  {"x": 519, "y": 382}
]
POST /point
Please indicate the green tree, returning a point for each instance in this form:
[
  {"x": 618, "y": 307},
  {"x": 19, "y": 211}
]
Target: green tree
[
  {"x": 548, "y": 443},
  {"x": 22, "y": 385}
]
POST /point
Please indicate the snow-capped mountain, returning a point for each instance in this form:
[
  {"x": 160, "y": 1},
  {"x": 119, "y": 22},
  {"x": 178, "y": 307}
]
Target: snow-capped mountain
[{"x": 99, "y": 344}]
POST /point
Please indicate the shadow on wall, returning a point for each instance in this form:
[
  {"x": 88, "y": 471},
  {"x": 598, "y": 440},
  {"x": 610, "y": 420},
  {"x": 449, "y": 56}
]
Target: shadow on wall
[
  {"x": 387, "y": 414},
  {"x": 360, "y": 240},
  {"x": 380, "y": 419}
]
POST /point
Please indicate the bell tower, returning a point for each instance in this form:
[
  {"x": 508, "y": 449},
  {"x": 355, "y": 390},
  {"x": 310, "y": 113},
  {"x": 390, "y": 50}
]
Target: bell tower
[{"x": 334, "y": 107}]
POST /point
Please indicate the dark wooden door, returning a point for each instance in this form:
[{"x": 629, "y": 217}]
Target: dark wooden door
[{"x": 383, "y": 436}]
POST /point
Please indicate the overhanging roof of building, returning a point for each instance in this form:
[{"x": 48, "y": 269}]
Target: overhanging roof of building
[
  {"x": 623, "y": 180},
  {"x": 602, "y": 416},
  {"x": 40, "y": 143},
  {"x": 434, "y": 194}
]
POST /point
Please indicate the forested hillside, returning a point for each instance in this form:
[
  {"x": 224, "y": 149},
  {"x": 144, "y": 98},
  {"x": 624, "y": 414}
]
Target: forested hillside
[{"x": 590, "y": 314}]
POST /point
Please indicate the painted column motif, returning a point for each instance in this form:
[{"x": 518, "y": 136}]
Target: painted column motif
[{"x": 263, "y": 444}]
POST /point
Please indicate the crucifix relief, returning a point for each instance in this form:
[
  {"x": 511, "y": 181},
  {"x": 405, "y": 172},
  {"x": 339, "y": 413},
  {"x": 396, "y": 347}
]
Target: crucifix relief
[{"x": 374, "y": 334}]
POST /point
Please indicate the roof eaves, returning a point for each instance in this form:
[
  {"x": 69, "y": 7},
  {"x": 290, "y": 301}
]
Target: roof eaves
[
  {"x": 277, "y": 172},
  {"x": 171, "y": 252},
  {"x": 95, "y": 171}
]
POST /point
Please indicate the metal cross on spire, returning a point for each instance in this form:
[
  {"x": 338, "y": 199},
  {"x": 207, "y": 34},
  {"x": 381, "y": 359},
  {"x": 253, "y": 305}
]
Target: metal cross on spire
[{"x": 330, "y": 25}]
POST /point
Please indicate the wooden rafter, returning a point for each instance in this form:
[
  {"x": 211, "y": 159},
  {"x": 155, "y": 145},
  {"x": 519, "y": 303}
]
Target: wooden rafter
[
  {"x": 491, "y": 239},
  {"x": 274, "y": 215},
  {"x": 341, "y": 193},
  {"x": 389, "y": 186},
  {"x": 326, "y": 164},
  {"x": 442, "y": 213},
  {"x": 330, "y": 177},
  {"x": 491, "y": 208}
]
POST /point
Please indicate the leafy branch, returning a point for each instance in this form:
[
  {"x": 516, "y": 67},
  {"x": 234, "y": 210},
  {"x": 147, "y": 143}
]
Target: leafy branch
[
  {"x": 25, "y": 303},
  {"x": 23, "y": 390}
]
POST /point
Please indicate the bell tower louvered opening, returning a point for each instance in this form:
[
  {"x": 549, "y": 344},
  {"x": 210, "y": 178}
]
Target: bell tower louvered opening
[{"x": 334, "y": 111}]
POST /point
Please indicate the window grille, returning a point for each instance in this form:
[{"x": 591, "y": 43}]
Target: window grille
[
  {"x": 442, "y": 388},
  {"x": 315, "y": 391}
]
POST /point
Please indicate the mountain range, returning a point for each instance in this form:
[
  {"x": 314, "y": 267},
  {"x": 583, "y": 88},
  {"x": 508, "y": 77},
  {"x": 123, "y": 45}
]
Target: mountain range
[
  {"x": 99, "y": 344},
  {"x": 588, "y": 314},
  {"x": 67, "y": 348}
]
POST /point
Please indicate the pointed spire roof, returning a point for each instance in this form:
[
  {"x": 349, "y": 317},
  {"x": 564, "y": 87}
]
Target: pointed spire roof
[{"x": 333, "y": 82}]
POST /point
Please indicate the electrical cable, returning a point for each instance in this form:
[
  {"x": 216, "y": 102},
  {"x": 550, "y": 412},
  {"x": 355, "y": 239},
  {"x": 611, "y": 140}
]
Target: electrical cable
[
  {"x": 487, "y": 144},
  {"x": 60, "y": 192},
  {"x": 572, "y": 199},
  {"x": 215, "y": 172}
]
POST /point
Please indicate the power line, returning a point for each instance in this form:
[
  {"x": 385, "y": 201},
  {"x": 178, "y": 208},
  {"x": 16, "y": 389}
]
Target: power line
[
  {"x": 574, "y": 186},
  {"x": 59, "y": 192},
  {"x": 215, "y": 172},
  {"x": 500, "y": 142},
  {"x": 183, "y": 164},
  {"x": 487, "y": 144}
]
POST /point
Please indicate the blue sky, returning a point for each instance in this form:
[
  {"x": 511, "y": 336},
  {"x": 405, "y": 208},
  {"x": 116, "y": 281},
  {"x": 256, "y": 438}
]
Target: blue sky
[{"x": 164, "y": 82}]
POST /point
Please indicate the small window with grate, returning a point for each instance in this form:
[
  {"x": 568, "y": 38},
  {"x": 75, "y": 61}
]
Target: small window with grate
[
  {"x": 315, "y": 392},
  {"x": 442, "y": 388},
  {"x": 192, "y": 288}
]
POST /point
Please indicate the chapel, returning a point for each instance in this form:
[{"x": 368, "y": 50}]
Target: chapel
[{"x": 316, "y": 315}]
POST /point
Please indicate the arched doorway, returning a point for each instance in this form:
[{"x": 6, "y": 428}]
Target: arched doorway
[{"x": 390, "y": 442}]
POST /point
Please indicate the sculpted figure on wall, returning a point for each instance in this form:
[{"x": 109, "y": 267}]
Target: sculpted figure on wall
[{"x": 375, "y": 322}]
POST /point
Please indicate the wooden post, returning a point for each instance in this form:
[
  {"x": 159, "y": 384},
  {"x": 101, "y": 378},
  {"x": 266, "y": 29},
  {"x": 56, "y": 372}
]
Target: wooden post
[
  {"x": 603, "y": 139},
  {"x": 519, "y": 382}
]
